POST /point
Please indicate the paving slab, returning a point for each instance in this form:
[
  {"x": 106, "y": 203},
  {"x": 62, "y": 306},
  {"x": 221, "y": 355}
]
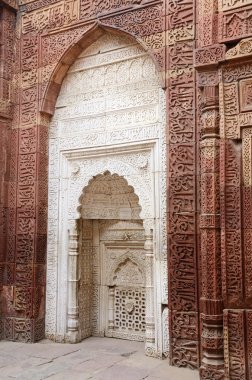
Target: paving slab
[
  {"x": 122, "y": 372},
  {"x": 92, "y": 359}
]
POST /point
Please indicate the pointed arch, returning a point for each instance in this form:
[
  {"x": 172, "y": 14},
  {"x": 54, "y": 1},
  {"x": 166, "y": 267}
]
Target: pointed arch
[{"x": 88, "y": 37}]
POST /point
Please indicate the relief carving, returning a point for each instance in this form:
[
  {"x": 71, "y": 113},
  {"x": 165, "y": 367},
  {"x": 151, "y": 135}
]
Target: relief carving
[
  {"x": 246, "y": 95},
  {"x": 226, "y": 5},
  {"x": 111, "y": 116},
  {"x": 110, "y": 96},
  {"x": 92, "y": 8},
  {"x": 235, "y": 24},
  {"x": 55, "y": 16},
  {"x": 243, "y": 48}
]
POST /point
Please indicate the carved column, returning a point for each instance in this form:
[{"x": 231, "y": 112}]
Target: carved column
[
  {"x": 211, "y": 304},
  {"x": 150, "y": 325},
  {"x": 73, "y": 285},
  {"x": 111, "y": 302},
  {"x": 207, "y": 58}
]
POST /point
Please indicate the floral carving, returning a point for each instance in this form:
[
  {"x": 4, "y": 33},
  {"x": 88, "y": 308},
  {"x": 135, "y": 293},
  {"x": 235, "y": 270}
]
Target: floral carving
[{"x": 111, "y": 115}]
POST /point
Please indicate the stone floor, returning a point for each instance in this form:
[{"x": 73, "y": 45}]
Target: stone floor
[{"x": 94, "y": 359}]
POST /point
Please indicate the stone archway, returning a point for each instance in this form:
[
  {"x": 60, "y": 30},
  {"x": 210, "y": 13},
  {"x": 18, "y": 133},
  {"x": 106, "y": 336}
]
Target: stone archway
[
  {"x": 110, "y": 265},
  {"x": 112, "y": 294},
  {"x": 110, "y": 117}
]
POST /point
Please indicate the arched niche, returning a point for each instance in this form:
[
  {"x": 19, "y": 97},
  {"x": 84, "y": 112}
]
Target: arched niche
[
  {"x": 108, "y": 196},
  {"x": 111, "y": 299},
  {"x": 109, "y": 118}
]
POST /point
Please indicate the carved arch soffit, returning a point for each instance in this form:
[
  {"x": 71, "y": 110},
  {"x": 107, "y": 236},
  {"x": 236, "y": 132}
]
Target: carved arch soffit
[
  {"x": 73, "y": 43},
  {"x": 122, "y": 169},
  {"x": 242, "y": 49},
  {"x": 113, "y": 186}
]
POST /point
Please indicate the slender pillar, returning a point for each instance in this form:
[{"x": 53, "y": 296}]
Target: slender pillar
[
  {"x": 150, "y": 349},
  {"x": 111, "y": 308},
  {"x": 211, "y": 302},
  {"x": 73, "y": 285}
]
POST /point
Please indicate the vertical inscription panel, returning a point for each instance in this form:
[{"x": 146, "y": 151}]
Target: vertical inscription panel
[
  {"x": 234, "y": 344},
  {"x": 236, "y": 206},
  {"x": 183, "y": 300}
]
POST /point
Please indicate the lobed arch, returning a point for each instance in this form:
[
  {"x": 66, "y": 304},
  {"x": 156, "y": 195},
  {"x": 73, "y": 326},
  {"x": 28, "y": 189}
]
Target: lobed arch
[
  {"x": 89, "y": 36},
  {"x": 129, "y": 173},
  {"x": 115, "y": 277},
  {"x": 117, "y": 192}
]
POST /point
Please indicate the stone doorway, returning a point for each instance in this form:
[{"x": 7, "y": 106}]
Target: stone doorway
[
  {"x": 112, "y": 297},
  {"x": 107, "y": 276},
  {"x": 111, "y": 293}
]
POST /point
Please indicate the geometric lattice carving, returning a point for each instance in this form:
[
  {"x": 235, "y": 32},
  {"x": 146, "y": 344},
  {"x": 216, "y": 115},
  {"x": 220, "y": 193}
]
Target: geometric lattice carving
[{"x": 130, "y": 311}]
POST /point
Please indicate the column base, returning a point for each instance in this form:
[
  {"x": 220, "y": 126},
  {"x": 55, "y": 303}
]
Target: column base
[
  {"x": 212, "y": 372},
  {"x": 73, "y": 337},
  {"x": 150, "y": 350}
]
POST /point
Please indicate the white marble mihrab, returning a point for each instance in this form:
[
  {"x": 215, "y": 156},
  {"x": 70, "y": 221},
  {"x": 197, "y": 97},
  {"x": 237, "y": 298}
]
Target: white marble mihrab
[{"x": 110, "y": 116}]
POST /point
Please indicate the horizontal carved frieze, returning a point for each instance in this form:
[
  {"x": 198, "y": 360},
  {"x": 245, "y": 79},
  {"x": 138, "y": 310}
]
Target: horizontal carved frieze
[
  {"x": 243, "y": 48},
  {"x": 55, "y": 16},
  {"x": 209, "y": 55},
  {"x": 235, "y": 24},
  {"x": 226, "y": 5}
]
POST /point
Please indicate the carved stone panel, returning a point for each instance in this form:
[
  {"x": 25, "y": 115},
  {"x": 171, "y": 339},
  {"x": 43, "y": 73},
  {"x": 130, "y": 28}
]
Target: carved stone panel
[
  {"x": 236, "y": 130},
  {"x": 246, "y": 95},
  {"x": 112, "y": 299}
]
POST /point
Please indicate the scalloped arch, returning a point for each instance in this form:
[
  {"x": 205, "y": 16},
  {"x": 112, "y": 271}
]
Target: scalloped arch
[
  {"x": 115, "y": 189},
  {"x": 129, "y": 173}
]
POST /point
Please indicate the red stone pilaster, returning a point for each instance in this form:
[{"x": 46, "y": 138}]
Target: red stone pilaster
[
  {"x": 235, "y": 186},
  {"x": 182, "y": 185},
  {"x": 207, "y": 57},
  {"x": 7, "y": 29},
  {"x": 211, "y": 304}
]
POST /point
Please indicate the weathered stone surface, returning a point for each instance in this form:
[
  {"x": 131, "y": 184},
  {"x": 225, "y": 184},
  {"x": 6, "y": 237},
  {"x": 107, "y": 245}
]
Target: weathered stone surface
[
  {"x": 161, "y": 96},
  {"x": 95, "y": 358}
]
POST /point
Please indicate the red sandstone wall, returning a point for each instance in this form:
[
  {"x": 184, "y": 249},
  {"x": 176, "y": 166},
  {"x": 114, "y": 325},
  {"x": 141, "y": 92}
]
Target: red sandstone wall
[
  {"x": 223, "y": 65},
  {"x": 209, "y": 168},
  {"x": 7, "y": 27}
]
